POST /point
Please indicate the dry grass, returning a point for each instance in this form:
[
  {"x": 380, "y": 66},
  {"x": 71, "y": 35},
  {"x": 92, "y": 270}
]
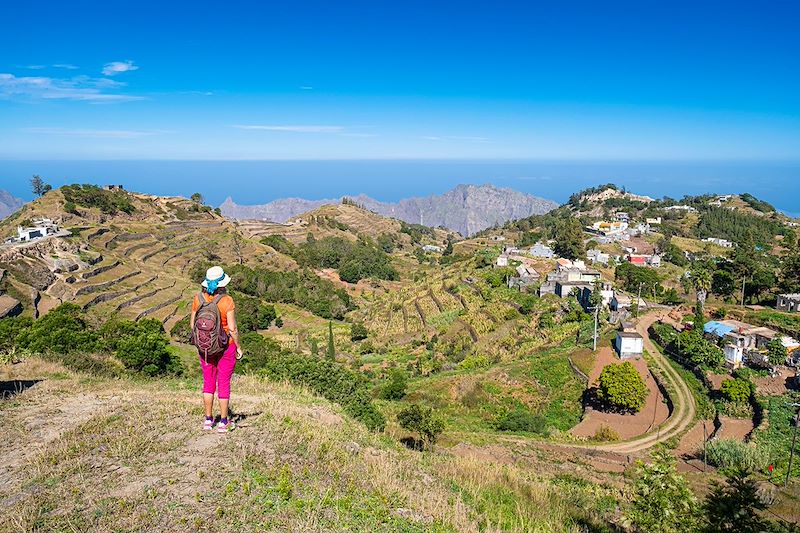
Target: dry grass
[{"x": 110, "y": 455}]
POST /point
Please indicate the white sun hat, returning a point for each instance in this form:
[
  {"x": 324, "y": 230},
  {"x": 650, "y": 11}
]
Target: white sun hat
[{"x": 216, "y": 277}]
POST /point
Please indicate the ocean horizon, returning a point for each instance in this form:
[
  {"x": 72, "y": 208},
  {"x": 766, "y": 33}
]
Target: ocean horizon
[{"x": 261, "y": 181}]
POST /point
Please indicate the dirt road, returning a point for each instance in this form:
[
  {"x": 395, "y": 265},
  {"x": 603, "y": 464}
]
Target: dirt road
[{"x": 682, "y": 400}]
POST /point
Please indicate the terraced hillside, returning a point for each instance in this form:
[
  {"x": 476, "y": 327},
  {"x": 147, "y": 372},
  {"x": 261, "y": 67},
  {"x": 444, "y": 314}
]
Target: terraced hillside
[
  {"x": 132, "y": 264},
  {"x": 339, "y": 220}
]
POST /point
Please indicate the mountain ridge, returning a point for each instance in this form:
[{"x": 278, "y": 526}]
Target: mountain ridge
[
  {"x": 466, "y": 209},
  {"x": 9, "y": 203}
]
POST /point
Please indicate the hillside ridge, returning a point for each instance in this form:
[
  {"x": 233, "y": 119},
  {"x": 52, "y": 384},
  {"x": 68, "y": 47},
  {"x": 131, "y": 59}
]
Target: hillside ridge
[{"x": 466, "y": 209}]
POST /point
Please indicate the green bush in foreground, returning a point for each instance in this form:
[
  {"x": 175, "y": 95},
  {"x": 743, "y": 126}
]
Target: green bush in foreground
[
  {"x": 395, "y": 387},
  {"x": 622, "y": 387},
  {"x": 736, "y": 390}
]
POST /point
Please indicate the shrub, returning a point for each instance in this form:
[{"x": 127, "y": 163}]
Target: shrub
[
  {"x": 280, "y": 244},
  {"x": 622, "y": 387},
  {"x": 62, "y": 330},
  {"x": 10, "y": 330},
  {"x": 358, "y": 332},
  {"x": 606, "y": 434},
  {"x": 421, "y": 420},
  {"x": 736, "y": 390},
  {"x": 92, "y": 196},
  {"x": 395, "y": 387},
  {"x": 143, "y": 347},
  {"x": 474, "y": 362},
  {"x": 180, "y": 330},
  {"x": 732, "y": 454},
  {"x": 776, "y": 352},
  {"x": 325, "y": 377},
  {"x": 522, "y": 420}
]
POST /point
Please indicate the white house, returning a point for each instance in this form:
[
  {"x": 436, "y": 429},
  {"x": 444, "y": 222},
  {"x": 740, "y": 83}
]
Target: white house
[
  {"x": 42, "y": 227},
  {"x": 719, "y": 242},
  {"x": 629, "y": 344},
  {"x": 432, "y": 248},
  {"x": 653, "y": 221},
  {"x": 502, "y": 260},
  {"x": 542, "y": 250},
  {"x": 596, "y": 256}
]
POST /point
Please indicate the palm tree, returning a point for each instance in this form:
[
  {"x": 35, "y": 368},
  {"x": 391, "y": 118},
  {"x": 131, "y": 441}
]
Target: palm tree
[{"x": 701, "y": 279}]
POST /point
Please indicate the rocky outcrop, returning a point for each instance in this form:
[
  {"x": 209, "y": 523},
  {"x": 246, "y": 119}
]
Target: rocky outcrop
[
  {"x": 9, "y": 306},
  {"x": 466, "y": 209}
]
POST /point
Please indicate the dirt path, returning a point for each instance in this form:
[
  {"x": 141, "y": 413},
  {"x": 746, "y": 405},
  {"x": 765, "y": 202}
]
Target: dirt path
[
  {"x": 682, "y": 400},
  {"x": 627, "y": 426}
]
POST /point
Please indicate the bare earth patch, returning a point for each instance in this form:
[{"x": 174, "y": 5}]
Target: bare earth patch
[{"x": 627, "y": 426}]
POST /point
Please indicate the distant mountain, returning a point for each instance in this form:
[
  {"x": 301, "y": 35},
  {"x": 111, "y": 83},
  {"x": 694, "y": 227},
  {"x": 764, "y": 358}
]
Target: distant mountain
[
  {"x": 8, "y": 204},
  {"x": 466, "y": 209}
]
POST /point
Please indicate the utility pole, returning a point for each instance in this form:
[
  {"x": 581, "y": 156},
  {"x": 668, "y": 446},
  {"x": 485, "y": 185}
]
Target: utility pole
[
  {"x": 638, "y": 299},
  {"x": 794, "y": 441}
]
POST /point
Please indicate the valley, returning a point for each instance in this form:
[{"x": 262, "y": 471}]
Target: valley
[{"x": 493, "y": 333}]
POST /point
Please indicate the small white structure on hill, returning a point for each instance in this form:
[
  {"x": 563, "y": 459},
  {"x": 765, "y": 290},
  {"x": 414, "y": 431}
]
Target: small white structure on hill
[
  {"x": 502, "y": 260},
  {"x": 432, "y": 248},
  {"x": 42, "y": 227},
  {"x": 542, "y": 250},
  {"x": 629, "y": 343},
  {"x": 719, "y": 242}
]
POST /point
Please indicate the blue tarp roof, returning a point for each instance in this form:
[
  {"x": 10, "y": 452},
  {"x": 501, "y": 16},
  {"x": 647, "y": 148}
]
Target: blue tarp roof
[{"x": 717, "y": 328}]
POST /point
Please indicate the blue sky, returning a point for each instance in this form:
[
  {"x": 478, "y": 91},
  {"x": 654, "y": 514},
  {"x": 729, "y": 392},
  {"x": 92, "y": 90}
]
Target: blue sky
[{"x": 391, "y": 80}]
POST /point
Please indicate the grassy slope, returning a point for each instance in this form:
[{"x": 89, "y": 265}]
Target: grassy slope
[{"x": 126, "y": 455}]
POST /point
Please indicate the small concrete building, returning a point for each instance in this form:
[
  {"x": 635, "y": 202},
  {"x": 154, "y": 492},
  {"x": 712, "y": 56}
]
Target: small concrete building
[
  {"x": 788, "y": 303},
  {"x": 502, "y": 260},
  {"x": 542, "y": 250},
  {"x": 629, "y": 344},
  {"x": 432, "y": 248}
]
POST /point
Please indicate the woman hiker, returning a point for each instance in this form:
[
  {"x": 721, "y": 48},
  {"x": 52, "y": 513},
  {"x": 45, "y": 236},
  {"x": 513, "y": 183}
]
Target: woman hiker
[{"x": 214, "y": 333}]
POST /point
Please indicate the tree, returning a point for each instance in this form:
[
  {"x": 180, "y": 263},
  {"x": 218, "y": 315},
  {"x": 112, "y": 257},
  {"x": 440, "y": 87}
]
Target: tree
[
  {"x": 736, "y": 390},
  {"x": 734, "y": 506},
  {"x": 314, "y": 345},
  {"x": 790, "y": 273},
  {"x": 623, "y": 387},
  {"x": 421, "y": 420},
  {"x": 395, "y": 387},
  {"x": 569, "y": 239},
  {"x": 662, "y": 499},
  {"x": 693, "y": 346},
  {"x": 38, "y": 186},
  {"x": 197, "y": 198},
  {"x": 266, "y": 316},
  {"x": 776, "y": 352},
  {"x": 701, "y": 280},
  {"x": 723, "y": 283},
  {"x": 331, "y": 351},
  {"x": 448, "y": 250},
  {"x": 358, "y": 332}
]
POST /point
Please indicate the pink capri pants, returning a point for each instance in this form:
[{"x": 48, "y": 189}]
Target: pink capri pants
[{"x": 217, "y": 372}]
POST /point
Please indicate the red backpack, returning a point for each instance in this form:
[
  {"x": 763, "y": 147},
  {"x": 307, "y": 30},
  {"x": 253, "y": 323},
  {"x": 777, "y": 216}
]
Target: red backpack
[{"x": 208, "y": 334}]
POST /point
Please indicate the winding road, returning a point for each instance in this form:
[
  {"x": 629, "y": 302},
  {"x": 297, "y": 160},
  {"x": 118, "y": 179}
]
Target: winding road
[{"x": 683, "y": 403}]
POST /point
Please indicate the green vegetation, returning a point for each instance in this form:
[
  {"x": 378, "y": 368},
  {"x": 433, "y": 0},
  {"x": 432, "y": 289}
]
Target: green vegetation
[
  {"x": 325, "y": 377},
  {"x": 416, "y": 231},
  {"x": 64, "y": 334},
  {"x": 733, "y": 454},
  {"x": 736, "y": 390},
  {"x": 92, "y": 196},
  {"x": 422, "y": 420},
  {"x": 521, "y": 420},
  {"x": 304, "y": 288},
  {"x": 395, "y": 386},
  {"x": 737, "y": 226},
  {"x": 736, "y": 506},
  {"x": 662, "y": 499},
  {"x": 569, "y": 238},
  {"x": 354, "y": 260},
  {"x": 280, "y": 244},
  {"x": 632, "y": 276},
  {"x": 776, "y": 352},
  {"x": 755, "y": 203},
  {"x": 692, "y": 346},
  {"x": 622, "y": 387},
  {"x": 358, "y": 332}
]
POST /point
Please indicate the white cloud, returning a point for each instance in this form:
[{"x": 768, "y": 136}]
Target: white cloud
[
  {"x": 291, "y": 128},
  {"x": 35, "y": 67},
  {"x": 79, "y": 88},
  {"x": 106, "y": 134},
  {"x": 118, "y": 67},
  {"x": 306, "y": 87},
  {"x": 67, "y": 66}
]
